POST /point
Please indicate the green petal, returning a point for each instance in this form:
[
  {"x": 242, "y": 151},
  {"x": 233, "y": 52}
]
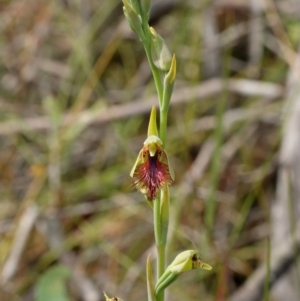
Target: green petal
[{"x": 138, "y": 161}]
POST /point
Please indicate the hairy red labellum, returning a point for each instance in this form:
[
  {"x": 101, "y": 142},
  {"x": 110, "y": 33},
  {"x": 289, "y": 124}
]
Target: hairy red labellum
[{"x": 152, "y": 174}]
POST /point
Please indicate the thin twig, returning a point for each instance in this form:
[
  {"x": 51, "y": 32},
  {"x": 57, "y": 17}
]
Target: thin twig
[
  {"x": 22, "y": 235},
  {"x": 182, "y": 95}
]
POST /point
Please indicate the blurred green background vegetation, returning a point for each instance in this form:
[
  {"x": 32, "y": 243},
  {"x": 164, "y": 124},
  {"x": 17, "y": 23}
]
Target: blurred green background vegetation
[{"x": 75, "y": 97}]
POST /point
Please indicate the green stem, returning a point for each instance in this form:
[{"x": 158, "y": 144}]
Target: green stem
[
  {"x": 158, "y": 239},
  {"x": 156, "y": 74},
  {"x": 159, "y": 244},
  {"x": 163, "y": 117},
  {"x": 156, "y": 220},
  {"x": 161, "y": 254},
  {"x": 161, "y": 259}
]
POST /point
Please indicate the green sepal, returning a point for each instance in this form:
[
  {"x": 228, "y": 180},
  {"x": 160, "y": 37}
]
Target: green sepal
[
  {"x": 139, "y": 160},
  {"x": 172, "y": 174},
  {"x": 172, "y": 71},
  {"x": 162, "y": 55},
  {"x": 150, "y": 284},
  {"x": 164, "y": 158},
  {"x": 152, "y": 127},
  {"x": 182, "y": 262}
]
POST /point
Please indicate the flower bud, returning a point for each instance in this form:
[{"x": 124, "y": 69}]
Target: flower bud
[
  {"x": 162, "y": 55},
  {"x": 185, "y": 261},
  {"x": 133, "y": 18}
]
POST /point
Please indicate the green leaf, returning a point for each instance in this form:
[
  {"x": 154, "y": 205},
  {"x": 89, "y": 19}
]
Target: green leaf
[{"x": 51, "y": 285}]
